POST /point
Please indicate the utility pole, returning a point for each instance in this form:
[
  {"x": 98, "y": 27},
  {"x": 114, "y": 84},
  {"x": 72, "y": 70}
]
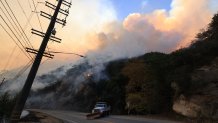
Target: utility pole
[{"x": 15, "y": 116}]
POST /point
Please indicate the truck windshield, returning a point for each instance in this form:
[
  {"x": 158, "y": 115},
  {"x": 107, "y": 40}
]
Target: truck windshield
[{"x": 100, "y": 105}]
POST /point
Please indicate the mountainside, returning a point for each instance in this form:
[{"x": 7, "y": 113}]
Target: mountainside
[
  {"x": 61, "y": 92},
  {"x": 204, "y": 99},
  {"x": 184, "y": 81}
]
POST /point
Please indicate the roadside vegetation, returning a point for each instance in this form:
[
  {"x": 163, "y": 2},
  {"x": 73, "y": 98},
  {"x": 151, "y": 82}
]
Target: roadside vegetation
[
  {"x": 6, "y": 105},
  {"x": 149, "y": 84},
  {"x": 146, "y": 84}
]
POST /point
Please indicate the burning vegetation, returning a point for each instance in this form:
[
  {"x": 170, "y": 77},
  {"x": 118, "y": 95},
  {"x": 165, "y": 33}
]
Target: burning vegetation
[{"x": 147, "y": 84}]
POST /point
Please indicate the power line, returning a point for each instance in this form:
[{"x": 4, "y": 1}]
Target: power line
[
  {"x": 30, "y": 16},
  {"x": 12, "y": 30},
  {"x": 25, "y": 68},
  {"x": 22, "y": 49},
  {"x": 15, "y": 115},
  {"x": 7, "y": 63},
  {"x": 15, "y": 42},
  {"x": 43, "y": 62},
  {"x": 35, "y": 6},
  {"x": 19, "y": 73},
  {"x": 68, "y": 53},
  {"x": 24, "y": 13},
  {"x": 37, "y": 15},
  {"x": 22, "y": 70},
  {"x": 15, "y": 59},
  {"x": 30, "y": 5},
  {"x": 18, "y": 24},
  {"x": 28, "y": 19},
  {"x": 9, "y": 20},
  {"x": 17, "y": 30}
]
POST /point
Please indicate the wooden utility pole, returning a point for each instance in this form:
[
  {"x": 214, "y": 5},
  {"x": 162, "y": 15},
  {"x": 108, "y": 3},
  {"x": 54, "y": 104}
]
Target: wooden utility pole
[{"x": 15, "y": 116}]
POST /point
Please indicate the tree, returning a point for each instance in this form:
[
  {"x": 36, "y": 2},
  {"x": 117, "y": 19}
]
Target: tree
[
  {"x": 142, "y": 89},
  {"x": 6, "y": 104}
]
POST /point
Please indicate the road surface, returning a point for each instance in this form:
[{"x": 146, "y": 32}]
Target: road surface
[{"x": 75, "y": 117}]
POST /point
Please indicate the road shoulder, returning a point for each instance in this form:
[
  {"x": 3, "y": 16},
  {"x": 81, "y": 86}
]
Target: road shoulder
[{"x": 39, "y": 117}]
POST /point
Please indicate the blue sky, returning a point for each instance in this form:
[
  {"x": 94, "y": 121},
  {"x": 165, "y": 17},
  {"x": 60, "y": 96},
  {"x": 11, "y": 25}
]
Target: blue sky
[{"x": 125, "y": 7}]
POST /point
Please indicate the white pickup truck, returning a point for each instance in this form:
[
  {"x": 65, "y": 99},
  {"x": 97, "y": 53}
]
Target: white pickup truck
[{"x": 102, "y": 107}]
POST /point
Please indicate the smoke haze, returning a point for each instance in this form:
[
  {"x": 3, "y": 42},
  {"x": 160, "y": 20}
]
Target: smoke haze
[
  {"x": 96, "y": 32},
  {"x": 161, "y": 30}
]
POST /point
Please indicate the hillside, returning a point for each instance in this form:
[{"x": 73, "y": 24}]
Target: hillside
[
  {"x": 184, "y": 81},
  {"x": 146, "y": 84}
]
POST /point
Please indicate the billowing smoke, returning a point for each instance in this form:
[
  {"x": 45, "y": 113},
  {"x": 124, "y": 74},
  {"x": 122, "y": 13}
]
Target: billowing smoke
[
  {"x": 85, "y": 16},
  {"x": 16, "y": 82},
  {"x": 93, "y": 30},
  {"x": 161, "y": 30},
  {"x": 97, "y": 33}
]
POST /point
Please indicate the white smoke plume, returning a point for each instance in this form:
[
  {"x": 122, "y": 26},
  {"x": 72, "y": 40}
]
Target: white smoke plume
[
  {"x": 96, "y": 32},
  {"x": 161, "y": 30}
]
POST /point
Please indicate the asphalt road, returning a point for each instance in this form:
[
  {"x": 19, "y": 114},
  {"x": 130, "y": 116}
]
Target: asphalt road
[{"x": 75, "y": 117}]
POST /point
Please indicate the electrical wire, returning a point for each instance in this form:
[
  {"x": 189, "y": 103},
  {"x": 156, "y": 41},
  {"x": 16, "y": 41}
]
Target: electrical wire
[
  {"x": 14, "y": 61},
  {"x": 23, "y": 70},
  {"x": 9, "y": 20},
  {"x": 20, "y": 72},
  {"x": 37, "y": 15},
  {"x": 9, "y": 59},
  {"x": 28, "y": 19},
  {"x": 22, "y": 31},
  {"x": 30, "y": 5},
  {"x": 30, "y": 16},
  {"x": 25, "y": 53},
  {"x": 24, "y": 13},
  {"x": 35, "y": 6},
  {"x": 68, "y": 53},
  {"x": 45, "y": 61}
]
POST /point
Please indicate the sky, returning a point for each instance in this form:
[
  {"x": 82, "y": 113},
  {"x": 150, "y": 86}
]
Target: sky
[
  {"x": 102, "y": 30},
  {"x": 124, "y": 8}
]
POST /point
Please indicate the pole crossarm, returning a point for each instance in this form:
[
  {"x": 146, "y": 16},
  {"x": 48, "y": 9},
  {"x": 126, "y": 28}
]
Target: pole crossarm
[
  {"x": 23, "y": 95},
  {"x": 68, "y": 4},
  {"x": 48, "y": 16},
  {"x": 34, "y": 51},
  {"x": 52, "y": 6},
  {"x": 42, "y": 34}
]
